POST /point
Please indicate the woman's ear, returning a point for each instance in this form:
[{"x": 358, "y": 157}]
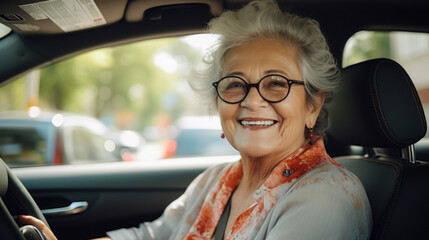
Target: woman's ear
[{"x": 314, "y": 109}]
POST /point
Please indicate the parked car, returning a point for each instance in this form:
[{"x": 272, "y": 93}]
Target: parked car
[
  {"x": 53, "y": 139},
  {"x": 128, "y": 144},
  {"x": 198, "y": 136},
  {"x": 107, "y": 196}
]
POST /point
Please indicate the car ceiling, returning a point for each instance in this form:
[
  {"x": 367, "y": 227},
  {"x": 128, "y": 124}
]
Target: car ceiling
[{"x": 34, "y": 43}]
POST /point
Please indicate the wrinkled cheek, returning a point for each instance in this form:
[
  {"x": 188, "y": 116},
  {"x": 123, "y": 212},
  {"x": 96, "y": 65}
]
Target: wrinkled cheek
[
  {"x": 228, "y": 122},
  {"x": 241, "y": 140},
  {"x": 293, "y": 130},
  {"x": 228, "y": 129},
  {"x": 230, "y": 134}
]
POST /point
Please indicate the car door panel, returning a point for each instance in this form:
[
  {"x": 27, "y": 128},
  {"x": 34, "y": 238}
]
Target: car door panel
[
  {"x": 118, "y": 194},
  {"x": 107, "y": 210}
]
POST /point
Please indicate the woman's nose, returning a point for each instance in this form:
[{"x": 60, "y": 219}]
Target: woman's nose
[{"x": 253, "y": 99}]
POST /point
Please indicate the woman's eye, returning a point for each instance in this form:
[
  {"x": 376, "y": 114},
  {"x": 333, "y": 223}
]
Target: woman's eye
[
  {"x": 234, "y": 85},
  {"x": 277, "y": 84}
]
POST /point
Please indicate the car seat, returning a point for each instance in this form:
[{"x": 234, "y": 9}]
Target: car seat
[{"x": 378, "y": 109}]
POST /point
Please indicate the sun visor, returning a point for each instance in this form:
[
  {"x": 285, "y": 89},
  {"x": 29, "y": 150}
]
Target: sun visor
[
  {"x": 59, "y": 16},
  {"x": 137, "y": 8}
]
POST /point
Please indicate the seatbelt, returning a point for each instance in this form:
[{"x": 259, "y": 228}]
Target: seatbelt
[{"x": 220, "y": 229}]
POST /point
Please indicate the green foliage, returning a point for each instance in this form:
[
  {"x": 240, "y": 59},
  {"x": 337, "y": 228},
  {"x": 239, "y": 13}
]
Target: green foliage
[
  {"x": 121, "y": 84},
  {"x": 366, "y": 45},
  {"x": 13, "y": 95}
]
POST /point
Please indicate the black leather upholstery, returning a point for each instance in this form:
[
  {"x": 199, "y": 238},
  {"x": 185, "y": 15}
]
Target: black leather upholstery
[
  {"x": 369, "y": 172},
  {"x": 378, "y": 107}
]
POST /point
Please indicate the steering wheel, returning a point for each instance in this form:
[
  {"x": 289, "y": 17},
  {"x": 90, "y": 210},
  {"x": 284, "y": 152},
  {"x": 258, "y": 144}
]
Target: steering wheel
[{"x": 15, "y": 199}]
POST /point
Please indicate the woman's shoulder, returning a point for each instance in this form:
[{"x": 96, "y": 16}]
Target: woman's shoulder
[
  {"x": 330, "y": 200},
  {"x": 336, "y": 186},
  {"x": 331, "y": 176}
]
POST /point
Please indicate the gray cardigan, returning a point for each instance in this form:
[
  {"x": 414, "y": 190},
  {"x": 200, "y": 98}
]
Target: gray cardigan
[{"x": 328, "y": 202}]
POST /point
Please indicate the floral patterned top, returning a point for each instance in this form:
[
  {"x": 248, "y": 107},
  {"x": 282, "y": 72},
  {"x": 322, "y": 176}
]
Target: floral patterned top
[{"x": 307, "y": 196}]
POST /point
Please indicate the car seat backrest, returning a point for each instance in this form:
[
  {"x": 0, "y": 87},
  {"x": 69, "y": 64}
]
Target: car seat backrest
[{"x": 377, "y": 108}]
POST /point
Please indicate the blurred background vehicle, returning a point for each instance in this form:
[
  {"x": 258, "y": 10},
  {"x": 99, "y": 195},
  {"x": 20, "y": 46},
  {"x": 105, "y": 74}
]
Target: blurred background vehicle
[
  {"x": 128, "y": 144},
  {"x": 198, "y": 136},
  {"x": 55, "y": 138}
]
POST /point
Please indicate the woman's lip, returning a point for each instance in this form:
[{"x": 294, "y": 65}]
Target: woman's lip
[{"x": 255, "y": 119}]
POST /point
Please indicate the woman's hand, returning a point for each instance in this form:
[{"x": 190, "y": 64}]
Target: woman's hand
[
  {"x": 47, "y": 233},
  {"x": 29, "y": 220}
]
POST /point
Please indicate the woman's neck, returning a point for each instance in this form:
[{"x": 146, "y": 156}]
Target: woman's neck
[{"x": 257, "y": 170}]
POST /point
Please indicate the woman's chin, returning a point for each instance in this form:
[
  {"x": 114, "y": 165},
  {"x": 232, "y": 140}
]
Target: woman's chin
[
  {"x": 252, "y": 146},
  {"x": 253, "y": 151}
]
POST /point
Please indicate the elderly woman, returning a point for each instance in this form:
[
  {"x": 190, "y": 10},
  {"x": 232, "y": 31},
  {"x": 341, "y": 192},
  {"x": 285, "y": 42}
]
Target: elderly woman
[{"x": 269, "y": 79}]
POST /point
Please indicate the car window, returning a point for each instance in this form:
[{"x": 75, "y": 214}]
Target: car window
[
  {"x": 198, "y": 136},
  {"x": 137, "y": 90},
  {"x": 22, "y": 146},
  {"x": 89, "y": 146},
  {"x": 409, "y": 49},
  {"x": 24, "y": 143}
]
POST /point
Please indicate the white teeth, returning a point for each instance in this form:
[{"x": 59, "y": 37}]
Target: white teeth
[{"x": 256, "y": 123}]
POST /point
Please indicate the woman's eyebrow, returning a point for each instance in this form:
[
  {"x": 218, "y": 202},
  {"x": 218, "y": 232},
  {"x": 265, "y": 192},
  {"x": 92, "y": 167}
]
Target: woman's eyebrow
[
  {"x": 268, "y": 72},
  {"x": 237, "y": 73},
  {"x": 275, "y": 71}
]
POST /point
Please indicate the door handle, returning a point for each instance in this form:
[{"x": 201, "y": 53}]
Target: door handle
[{"x": 73, "y": 208}]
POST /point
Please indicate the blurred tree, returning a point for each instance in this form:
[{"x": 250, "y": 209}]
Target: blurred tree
[
  {"x": 12, "y": 95},
  {"x": 59, "y": 84},
  {"x": 121, "y": 79},
  {"x": 366, "y": 45},
  {"x": 138, "y": 81}
]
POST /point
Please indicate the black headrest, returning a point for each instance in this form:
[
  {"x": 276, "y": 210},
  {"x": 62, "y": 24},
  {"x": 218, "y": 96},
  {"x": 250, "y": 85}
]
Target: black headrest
[{"x": 376, "y": 106}]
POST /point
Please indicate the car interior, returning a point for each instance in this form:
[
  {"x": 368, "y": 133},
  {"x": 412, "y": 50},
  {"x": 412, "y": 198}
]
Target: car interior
[
  {"x": 377, "y": 120},
  {"x": 362, "y": 114}
]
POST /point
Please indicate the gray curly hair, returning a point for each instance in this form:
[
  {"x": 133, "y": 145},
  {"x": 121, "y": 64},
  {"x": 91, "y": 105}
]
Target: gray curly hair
[{"x": 263, "y": 18}]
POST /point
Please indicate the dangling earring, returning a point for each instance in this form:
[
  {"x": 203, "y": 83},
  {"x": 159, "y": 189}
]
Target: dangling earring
[
  {"x": 310, "y": 134},
  {"x": 222, "y": 136}
]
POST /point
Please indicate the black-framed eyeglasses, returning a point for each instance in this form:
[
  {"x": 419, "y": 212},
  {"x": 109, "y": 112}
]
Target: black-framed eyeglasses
[{"x": 272, "y": 88}]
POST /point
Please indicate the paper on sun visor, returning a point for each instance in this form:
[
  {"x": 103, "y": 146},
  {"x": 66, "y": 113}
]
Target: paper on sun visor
[{"x": 69, "y": 15}]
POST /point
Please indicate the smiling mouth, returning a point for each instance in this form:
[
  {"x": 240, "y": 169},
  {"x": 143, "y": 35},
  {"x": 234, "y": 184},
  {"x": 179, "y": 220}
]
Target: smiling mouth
[{"x": 247, "y": 123}]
